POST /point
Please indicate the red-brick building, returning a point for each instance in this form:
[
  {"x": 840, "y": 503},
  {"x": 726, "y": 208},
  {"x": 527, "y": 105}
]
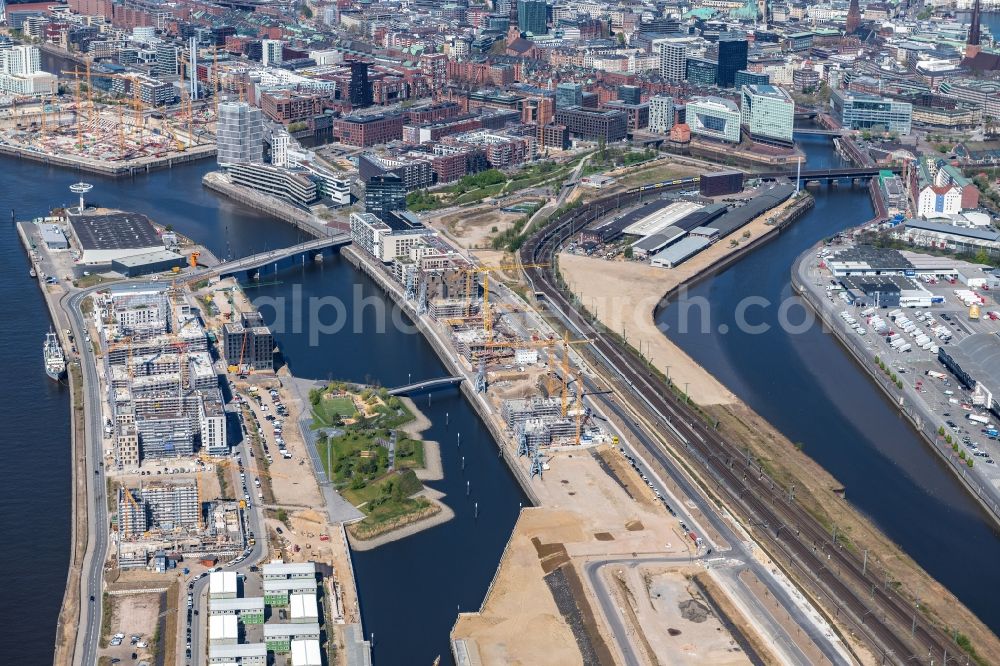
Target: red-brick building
[{"x": 366, "y": 131}]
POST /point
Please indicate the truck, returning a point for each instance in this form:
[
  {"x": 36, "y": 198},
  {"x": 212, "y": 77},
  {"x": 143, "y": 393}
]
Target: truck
[
  {"x": 897, "y": 343},
  {"x": 905, "y": 347},
  {"x": 976, "y": 418},
  {"x": 935, "y": 374},
  {"x": 974, "y": 312}
]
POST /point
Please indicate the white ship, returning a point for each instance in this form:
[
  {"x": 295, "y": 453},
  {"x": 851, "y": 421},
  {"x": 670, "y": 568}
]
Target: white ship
[{"x": 55, "y": 360}]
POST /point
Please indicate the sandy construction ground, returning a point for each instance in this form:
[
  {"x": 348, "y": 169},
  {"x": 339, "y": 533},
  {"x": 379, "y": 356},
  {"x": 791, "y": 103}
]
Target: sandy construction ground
[
  {"x": 624, "y": 294},
  {"x": 678, "y": 625},
  {"x": 585, "y": 514}
]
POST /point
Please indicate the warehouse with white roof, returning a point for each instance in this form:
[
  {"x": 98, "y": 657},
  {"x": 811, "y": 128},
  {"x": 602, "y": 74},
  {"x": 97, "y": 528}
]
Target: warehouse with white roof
[
  {"x": 306, "y": 653},
  {"x": 222, "y": 585},
  {"x": 223, "y": 630}
]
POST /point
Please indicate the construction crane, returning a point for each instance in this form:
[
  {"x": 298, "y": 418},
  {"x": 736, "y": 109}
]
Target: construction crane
[
  {"x": 486, "y": 270},
  {"x": 565, "y": 342},
  {"x": 136, "y": 102},
  {"x": 135, "y": 506}
]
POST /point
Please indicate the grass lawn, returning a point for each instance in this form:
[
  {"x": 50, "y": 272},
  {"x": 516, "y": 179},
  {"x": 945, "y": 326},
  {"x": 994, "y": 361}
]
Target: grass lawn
[
  {"x": 656, "y": 174},
  {"x": 326, "y": 412}
]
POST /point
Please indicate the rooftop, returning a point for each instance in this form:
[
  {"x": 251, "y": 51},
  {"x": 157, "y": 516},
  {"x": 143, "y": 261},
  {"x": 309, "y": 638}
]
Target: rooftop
[{"x": 114, "y": 231}]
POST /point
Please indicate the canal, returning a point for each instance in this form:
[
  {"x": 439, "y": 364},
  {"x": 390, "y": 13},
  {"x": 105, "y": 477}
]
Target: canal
[
  {"x": 410, "y": 589},
  {"x": 807, "y": 386}
]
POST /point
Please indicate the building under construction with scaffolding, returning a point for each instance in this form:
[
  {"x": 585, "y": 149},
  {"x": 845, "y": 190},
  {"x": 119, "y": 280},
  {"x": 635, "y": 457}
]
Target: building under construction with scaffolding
[
  {"x": 170, "y": 515},
  {"x": 162, "y": 388}
]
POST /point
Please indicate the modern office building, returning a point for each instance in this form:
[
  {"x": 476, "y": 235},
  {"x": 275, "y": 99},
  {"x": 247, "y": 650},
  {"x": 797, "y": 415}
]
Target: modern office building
[
  {"x": 732, "y": 58},
  {"x": 293, "y": 185},
  {"x": 768, "y": 113},
  {"x": 240, "y": 134},
  {"x": 384, "y": 194},
  {"x": 607, "y": 125},
  {"x": 745, "y": 78},
  {"x": 166, "y": 60},
  {"x": 860, "y": 111},
  {"x": 630, "y": 94},
  {"x": 532, "y": 16},
  {"x": 673, "y": 58},
  {"x": 569, "y": 94},
  {"x": 359, "y": 89},
  {"x": 715, "y": 118},
  {"x": 702, "y": 72},
  {"x": 364, "y": 131},
  {"x": 661, "y": 113},
  {"x": 390, "y": 239},
  {"x": 271, "y": 51}
]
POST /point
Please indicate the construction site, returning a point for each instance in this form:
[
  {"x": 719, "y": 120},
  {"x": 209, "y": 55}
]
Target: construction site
[
  {"x": 528, "y": 375},
  {"x": 111, "y": 123}
]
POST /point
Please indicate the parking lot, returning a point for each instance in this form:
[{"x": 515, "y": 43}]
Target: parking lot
[{"x": 932, "y": 395}]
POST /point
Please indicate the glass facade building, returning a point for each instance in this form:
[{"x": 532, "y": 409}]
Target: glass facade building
[
  {"x": 768, "y": 112},
  {"x": 859, "y": 111},
  {"x": 240, "y": 134},
  {"x": 532, "y": 16},
  {"x": 732, "y": 58},
  {"x": 715, "y": 118}
]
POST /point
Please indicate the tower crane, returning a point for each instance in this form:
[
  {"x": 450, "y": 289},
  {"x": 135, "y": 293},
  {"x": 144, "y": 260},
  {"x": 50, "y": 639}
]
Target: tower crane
[
  {"x": 565, "y": 342},
  {"x": 486, "y": 270}
]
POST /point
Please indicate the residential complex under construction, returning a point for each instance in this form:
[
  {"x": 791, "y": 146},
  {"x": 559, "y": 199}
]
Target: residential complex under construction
[{"x": 162, "y": 389}]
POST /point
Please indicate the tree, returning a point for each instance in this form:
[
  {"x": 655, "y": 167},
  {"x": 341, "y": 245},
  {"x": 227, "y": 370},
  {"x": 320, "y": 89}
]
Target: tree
[
  {"x": 982, "y": 257},
  {"x": 621, "y": 39},
  {"x": 940, "y": 431},
  {"x": 628, "y": 252}
]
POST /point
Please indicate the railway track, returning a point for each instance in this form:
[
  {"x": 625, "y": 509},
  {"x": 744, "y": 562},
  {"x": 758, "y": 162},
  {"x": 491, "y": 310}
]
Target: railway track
[{"x": 849, "y": 587}]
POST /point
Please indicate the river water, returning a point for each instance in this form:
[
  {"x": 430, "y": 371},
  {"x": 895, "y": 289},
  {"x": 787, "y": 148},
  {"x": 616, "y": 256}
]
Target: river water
[
  {"x": 808, "y": 387},
  {"x": 410, "y": 589}
]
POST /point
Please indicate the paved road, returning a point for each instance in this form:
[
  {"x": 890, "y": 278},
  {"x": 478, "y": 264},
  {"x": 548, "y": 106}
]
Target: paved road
[
  {"x": 832, "y": 571},
  {"x": 256, "y": 554},
  {"x": 640, "y": 444}
]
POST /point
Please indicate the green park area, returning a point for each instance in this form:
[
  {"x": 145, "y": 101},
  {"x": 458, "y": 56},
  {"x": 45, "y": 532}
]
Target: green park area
[
  {"x": 473, "y": 188},
  {"x": 354, "y": 446}
]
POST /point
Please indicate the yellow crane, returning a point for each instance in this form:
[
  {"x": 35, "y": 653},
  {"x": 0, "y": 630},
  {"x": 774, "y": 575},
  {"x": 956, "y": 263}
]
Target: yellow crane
[
  {"x": 565, "y": 342},
  {"x": 486, "y": 270},
  {"x": 136, "y": 102}
]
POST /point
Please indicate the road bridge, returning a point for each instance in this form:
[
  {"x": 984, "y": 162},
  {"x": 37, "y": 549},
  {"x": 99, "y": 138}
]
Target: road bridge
[
  {"x": 427, "y": 385},
  {"x": 819, "y": 131},
  {"x": 830, "y": 174},
  {"x": 274, "y": 260}
]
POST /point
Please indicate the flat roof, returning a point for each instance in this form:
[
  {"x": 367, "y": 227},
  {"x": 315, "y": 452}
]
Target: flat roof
[
  {"x": 148, "y": 258},
  {"x": 306, "y": 653},
  {"x": 222, "y": 582},
  {"x": 114, "y": 231},
  {"x": 238, "y": 604},
  {"x": 657, "y": 241},
  {"x": 969, "y": 232},
  {"x": 276, "y": 630},
  {"x": 979, "y": 356},
  {"x": 681, "y": 250},
  {"x": 659, "y": 220},
  {"x": 289, "y": 569},
  {"x": 740, "y": 216},
  {"x": 303, "y": 605},
  {"x": 238, "y": 651},
  {"x": 223, "y": 627},
  {"x": 289, "y": 584}
]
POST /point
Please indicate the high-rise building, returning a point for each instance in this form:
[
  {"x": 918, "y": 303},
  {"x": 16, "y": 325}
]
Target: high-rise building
[
  {"x": 673, "y": 58},
  {"x": 853, "y": 17},
  {"x": 661, "y": 113},
  {"x": 359, "y": 89},
  {"x": 732, "y": 58},
  {"x": 630, "y": 94},
  {"x": 702, "y": 72},
  {"x": 20, "y": 60},
  {"x": 532, "y": 16},
  {"x": 858, "y": 111},
  {"x": 240, "y": 134},
  {"x": 271, "y": 52},
  {"x": 166, "y": 60},
  {"x": 768, "y": 113},
  {"x": 384, "y": 194},
  {"x": 569, "y": 94},
  {"x": 714, "y": 117},
  {"x": 279, "y": 148},
  {"x": 745, "y": 78},
  {"x": 192, "y": 67}
]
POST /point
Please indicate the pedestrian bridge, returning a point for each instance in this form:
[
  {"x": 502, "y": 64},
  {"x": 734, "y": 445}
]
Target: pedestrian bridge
[
  {"x": 275, "y": 260},
  {"x": 427, "y": 385}
]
